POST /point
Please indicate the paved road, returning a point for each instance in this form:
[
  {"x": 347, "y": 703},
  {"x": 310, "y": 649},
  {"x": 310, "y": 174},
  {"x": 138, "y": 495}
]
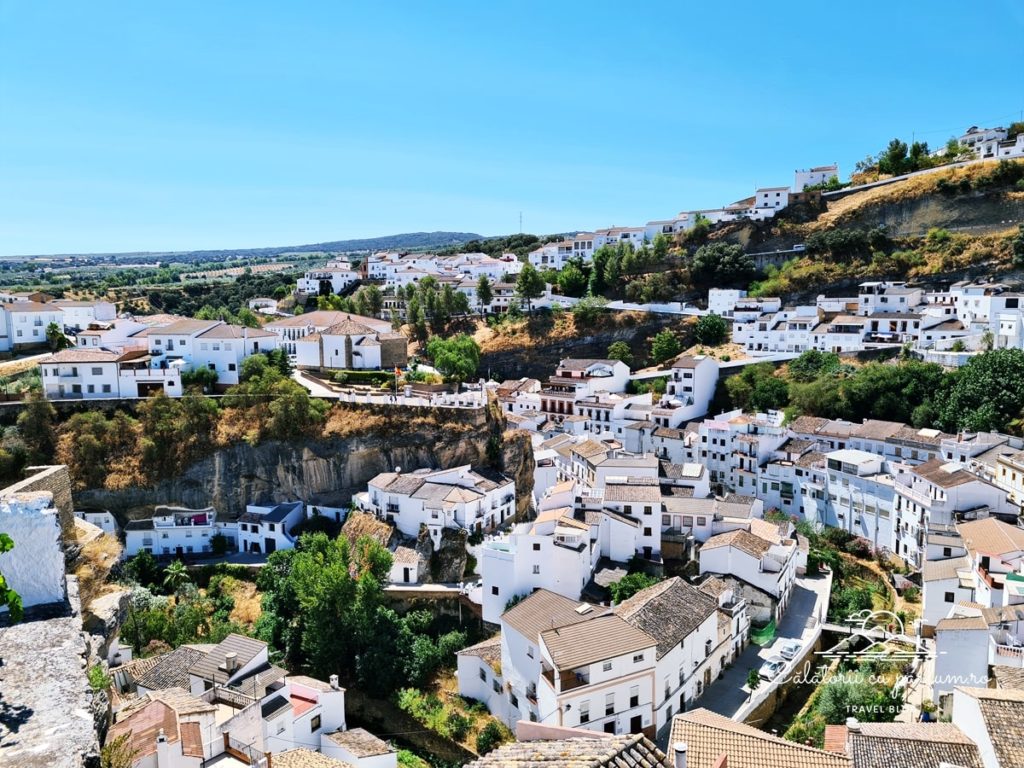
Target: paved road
[{"x": 729, "y": 693}]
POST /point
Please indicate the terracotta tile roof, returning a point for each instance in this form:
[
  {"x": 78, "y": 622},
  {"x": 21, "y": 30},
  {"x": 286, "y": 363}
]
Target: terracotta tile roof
[
  {"x": 875, "y": 429},
  {"x": 708, "y": 736},
  {"x": 171, "y": 669},
  {"x": 325, "y": 318},
  {"x": 82, "y": 356},
  {"x": 306, "y": 758},
  {"x": 489, "y": 650},
  {"x": 713, "y": 586},
  {"x": 1003, "y": 713},
  {"x": 186, "y": 327},
  {"x": 30, "y": 306},
  {"x": 602, "y": 637},
  {"x": 911, "y": 745},
  {"x": 1008, "y": 677},
  {"x": 360, "y": 742},
  {"x": 544, "y": 610},
  {"x": 669, "y": 611},
  {"x": 961, "y": 623},
  {"x": 589, "y": 448},
  {"x": 991, "y": 536},
  {"x": 940, "y": 570},
  {"x": 212, "y": 665},
  {"x": 945, "y": 474},
  {"x": 405, "y": 555},
  {"x": 144, "y": 724},
  {"x": 191, "y": 739},
  {"x": 742, "y": 540},
  {"x": 648, "y": 492},
  {"x": 835, "y": 739},
  {"x": 229, "y": 331},
  {"x": 633, "y": 751}
]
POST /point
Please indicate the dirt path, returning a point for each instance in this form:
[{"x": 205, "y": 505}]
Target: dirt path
[{"x": 14, "y": 367}]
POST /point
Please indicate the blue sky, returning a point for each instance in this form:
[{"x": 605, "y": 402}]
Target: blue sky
[{"x": 155, "y": 126}]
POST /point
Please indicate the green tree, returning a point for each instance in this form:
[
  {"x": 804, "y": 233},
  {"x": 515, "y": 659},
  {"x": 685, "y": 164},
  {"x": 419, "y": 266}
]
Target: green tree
[
  {"x": 769, "y": 393},
  {"x": 176, "y": 576},
  {"x": 660, "y": 246},
  {"x": 202, "y": 378},
  {"x": 484, "y": 293},
  {"x": 571, "y": 279},
  {"x": 986, "y": 394},
  {"x": 619, "y": 350},
  {"x": 492, "y": 736},
  {"x": 8, "y": 597},
  {"x": 586, "y": 311},
  {"x": 629, "y": 585},
  {"x": 1017, "y": 243},
  {"x": 247, "y": 318},
  {"x": 55, "y": 338},
  {"x": 36, "y": 424},
  {"x": 894, "y": 158},
  {"x": 711, "y": 330},
  {"x": 143, "y": 569},
  {"x": 119, "y": 753},
  {"x": 721, "y": 263},
  {"x": 456, "y": 358},
  {"x": 665, "y": 346},
  {"x": 753, "y": 680},
  {"x": 812, "y": 364},
  {"x": 529, "y": 285}
]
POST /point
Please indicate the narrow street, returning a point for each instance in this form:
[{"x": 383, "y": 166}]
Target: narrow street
[{"x": 728, "y": 695}]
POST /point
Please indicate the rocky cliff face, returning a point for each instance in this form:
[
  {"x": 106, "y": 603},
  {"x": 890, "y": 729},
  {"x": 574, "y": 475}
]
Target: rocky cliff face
[{"x": 320, "y": 471}]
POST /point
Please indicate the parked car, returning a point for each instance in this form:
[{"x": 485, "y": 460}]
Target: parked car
[
  {"x": 790, "y": 649},
  {"x": 771, "y": 668}
]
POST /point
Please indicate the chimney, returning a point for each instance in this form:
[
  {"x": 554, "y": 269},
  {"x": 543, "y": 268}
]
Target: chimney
[
  {"x": 679, "y": 754},
  {"x": 163, "y": 751},
  {"x": 230, "y": 662},
  {"x": 853, "y": 725},
  {"x": 334, "y": 682}
]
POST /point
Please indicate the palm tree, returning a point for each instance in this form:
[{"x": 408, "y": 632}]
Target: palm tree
[{"x": 175, "y": 576}]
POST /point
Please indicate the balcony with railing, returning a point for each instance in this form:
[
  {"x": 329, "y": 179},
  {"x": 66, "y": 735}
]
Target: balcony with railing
[
  {"x": 568, "y": 680},
  {"x": 1005, "y": 650}
]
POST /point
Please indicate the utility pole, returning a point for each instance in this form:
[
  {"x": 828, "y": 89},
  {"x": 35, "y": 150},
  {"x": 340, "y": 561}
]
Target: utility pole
[{"x": 520, "y": 222}]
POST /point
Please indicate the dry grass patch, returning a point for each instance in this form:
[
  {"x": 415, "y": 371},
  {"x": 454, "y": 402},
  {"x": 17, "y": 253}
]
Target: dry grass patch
[{"x": 95, "y": 561}]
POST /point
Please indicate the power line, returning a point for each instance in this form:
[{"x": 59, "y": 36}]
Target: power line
[{"x": 930, "y": 131}]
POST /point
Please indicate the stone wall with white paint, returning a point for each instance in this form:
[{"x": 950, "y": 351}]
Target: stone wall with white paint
[{"x": 34, "y": 568}]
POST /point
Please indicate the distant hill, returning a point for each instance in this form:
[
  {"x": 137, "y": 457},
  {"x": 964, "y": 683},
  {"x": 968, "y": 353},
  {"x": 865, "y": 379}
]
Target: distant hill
[
  {"x": 406, "y": 241},
  {"x": 392, "y": 242}
]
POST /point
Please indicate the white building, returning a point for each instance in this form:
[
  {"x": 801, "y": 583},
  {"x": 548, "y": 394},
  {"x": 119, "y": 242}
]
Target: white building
[
  {"x": 333, "y": 278},
  {"x": 291, "y": 329},
  {"x": 553, "y": 552},
  {"x": 81, "y": 314},
  {"x": 722, "y": 301},
  {"x": 811, "y": 177},
  {"x": 936, "y": 495},
  {"x": 853, "y": 490},
  {"x": 267, "y": 529},
  {"x": 23, "y": 324},
  {"x": 351, "y": 345},
  {"x": 459, "y": 497},
  {"x": 766, "y": 564},
  {"x": 174, "y": 532},
  {"x": 684, "y": 621},
  {"x": 688, "y": 391}
]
